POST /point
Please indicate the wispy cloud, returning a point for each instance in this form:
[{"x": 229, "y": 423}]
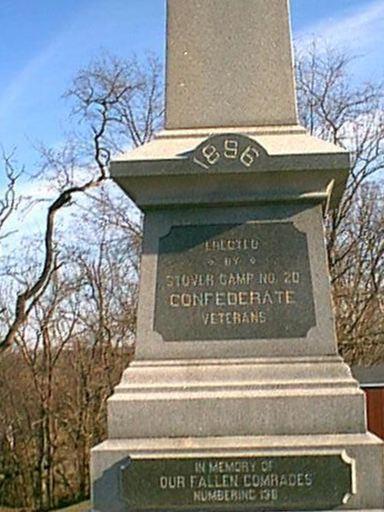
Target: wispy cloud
[
  {"x": 17, "y": 87},
  {"x": 359, "y": 31}
]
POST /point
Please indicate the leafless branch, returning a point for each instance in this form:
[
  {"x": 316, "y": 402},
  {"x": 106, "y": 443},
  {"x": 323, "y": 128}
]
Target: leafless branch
[{"x": 9, "y": 201}]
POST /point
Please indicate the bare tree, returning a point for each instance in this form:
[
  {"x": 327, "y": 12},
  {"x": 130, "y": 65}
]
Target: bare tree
[
  {"x": 337, "y": 110},
  {"x": 73, "y": 326},
  {"x": 351, "y": 116},
  {"x": 117, "y": 103},
  {"x": 69, "y": 356},
  {"x": 359, "y": 290},
  {"x": 9, "y": 200}
]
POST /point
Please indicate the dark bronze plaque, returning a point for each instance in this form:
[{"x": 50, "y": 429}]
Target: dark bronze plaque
[
  {"x": 313, "y": 482},
  {"x": 234, "y": 281}
]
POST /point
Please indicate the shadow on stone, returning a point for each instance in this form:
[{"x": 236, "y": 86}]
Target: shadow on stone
[{"x": 106, "y": 489}]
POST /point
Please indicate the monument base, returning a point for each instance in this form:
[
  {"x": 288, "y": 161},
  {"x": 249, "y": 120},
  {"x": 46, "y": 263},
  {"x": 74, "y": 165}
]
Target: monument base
[
  {"x": 111, "y": 457},
  {"x": 172, "y": 423},
  {"x": 236, "y": 397}
]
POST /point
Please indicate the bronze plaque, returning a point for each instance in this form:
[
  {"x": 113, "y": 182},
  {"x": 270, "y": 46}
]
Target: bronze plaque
[
  {"x": 234, "y": 281},
  {"x": 306, "y": 482}
]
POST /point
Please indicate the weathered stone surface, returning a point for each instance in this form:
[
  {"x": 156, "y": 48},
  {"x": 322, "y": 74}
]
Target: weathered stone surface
[
  {"x": 365, "y": 449},
  {"x": 293, "y": 238},
  {"x": 239, "y": 397},
  {"x": 232, "y": 168},
  {"x": 224, "y": 58}
]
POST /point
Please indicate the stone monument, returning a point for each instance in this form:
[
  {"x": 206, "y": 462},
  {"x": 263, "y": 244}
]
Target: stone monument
[{"x": 237, "y": 399}]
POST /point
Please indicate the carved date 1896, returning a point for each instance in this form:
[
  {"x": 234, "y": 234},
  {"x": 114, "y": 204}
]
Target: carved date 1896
[{"x": 226, "y": 150}]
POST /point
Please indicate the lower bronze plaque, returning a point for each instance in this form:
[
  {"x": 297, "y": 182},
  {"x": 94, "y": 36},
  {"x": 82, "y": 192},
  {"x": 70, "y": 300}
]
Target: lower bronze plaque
[
  {"x": 234, "y": 281},
  {"x": 309, "y": 482}
]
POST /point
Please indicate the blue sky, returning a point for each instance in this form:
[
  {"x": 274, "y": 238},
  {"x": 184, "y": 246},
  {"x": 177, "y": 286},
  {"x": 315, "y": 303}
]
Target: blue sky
[{"x": 44, "y": 42}]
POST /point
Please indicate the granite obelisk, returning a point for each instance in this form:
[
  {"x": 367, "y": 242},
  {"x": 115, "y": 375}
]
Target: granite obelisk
[{"x": 237, "y": 399}]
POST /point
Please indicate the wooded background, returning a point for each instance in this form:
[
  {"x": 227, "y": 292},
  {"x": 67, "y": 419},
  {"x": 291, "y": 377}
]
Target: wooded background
[{"x": 68, "y": 295}]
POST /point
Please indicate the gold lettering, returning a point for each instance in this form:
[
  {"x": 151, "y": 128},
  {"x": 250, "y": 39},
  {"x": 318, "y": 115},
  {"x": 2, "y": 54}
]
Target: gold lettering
[
  {"x": 266, "y": 278},
  {"x": 172, "y": 482},
  {"x": 243, "y": 298},
  {"x": 267, "y": 299},
  {"x": 222, "y": 299},
  {"x": 262, "y": 317},
  {"x": 235, "y": 279},
  {"x": 280, "y": 296},
  {"x": 247, "y": 481},
  {"x": 200, "y": 467},
  {"x": 186, "y": 300},
  {"x": 290, "y": 297},
  {"x": 254, "y": 298},
  {"x": 234, "y": 318},
  {"x": 274, "y": 480},
  {"x": 234, "y": 244},
  {"x": 232, "y": 299},
  {"x": 308, "y": 479},
  {"x": 190, "y": 280}
]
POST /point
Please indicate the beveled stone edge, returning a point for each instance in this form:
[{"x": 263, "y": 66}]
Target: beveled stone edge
[
  {"x": 235, "y": 445},
  {"x": 336, "y": 359},
  {"x": 178, "y": 133},
  {"x": 352, "y": 462}
]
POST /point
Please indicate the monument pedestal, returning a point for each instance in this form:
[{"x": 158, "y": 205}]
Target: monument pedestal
[
  {"x": 240, "y": 397},
  {"x": 237, "y": 363},
  {"x": 111, "y": 458},
  {"x": 237, "y": 400},
  {"x": 236, "y": 354},
  {"x": 218, "y": 410}
]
